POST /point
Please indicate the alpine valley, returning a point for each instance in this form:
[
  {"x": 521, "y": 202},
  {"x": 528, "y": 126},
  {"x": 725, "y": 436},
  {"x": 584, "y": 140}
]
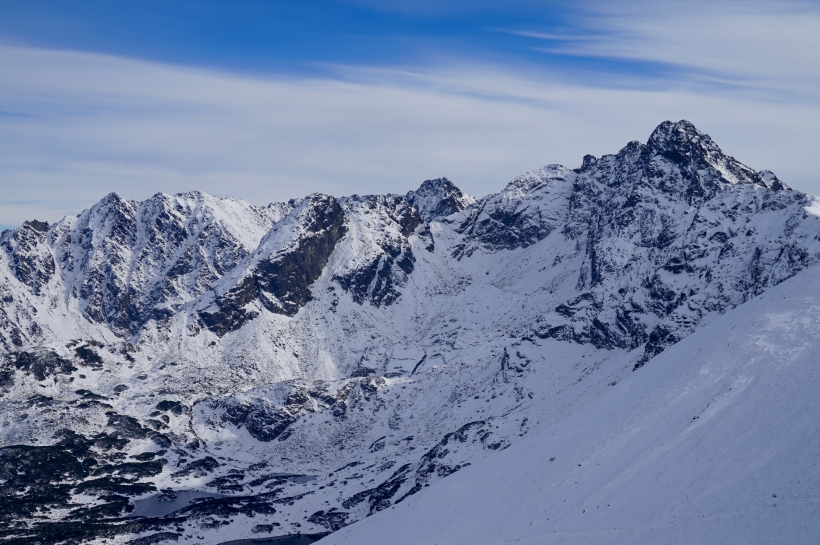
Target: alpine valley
[{"x": 624, "y": 352}]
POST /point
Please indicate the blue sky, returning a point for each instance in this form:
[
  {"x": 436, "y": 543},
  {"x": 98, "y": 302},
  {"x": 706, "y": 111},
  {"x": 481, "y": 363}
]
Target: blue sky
[
  {"x": 270, "y": 100},
  {"x": 300, "y": 39},
  {"x": 265, "y": 36}
]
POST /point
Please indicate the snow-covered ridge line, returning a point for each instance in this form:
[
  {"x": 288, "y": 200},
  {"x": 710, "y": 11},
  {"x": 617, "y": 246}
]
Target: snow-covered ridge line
[{"x": 623, "y": 220}]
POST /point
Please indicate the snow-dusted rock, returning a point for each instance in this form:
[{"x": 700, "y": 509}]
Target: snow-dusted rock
[{"x": 439, "y": 198}]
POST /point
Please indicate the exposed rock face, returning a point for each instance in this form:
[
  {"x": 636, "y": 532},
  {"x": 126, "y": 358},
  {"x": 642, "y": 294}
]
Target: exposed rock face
[
  {"x": 41, "y": 364},
  {"x": 432, "y": 466},
  {"x": 289, "y": 259},
  {"x": 439, "y": 198},
  {"x": 382, "y": 254},
  {"x": 127, "y": 263},
  {"x": 525, "y": 212},
  {"x": 31, "y": 261}
]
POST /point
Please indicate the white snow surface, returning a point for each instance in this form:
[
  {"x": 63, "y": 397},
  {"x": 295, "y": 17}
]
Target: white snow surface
[{"x": 715, "y": 442}]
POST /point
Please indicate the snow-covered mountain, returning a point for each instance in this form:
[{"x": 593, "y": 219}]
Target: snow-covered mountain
[
  {"x": 714, "y": 442},
  {"x": 322, "y": 360}
]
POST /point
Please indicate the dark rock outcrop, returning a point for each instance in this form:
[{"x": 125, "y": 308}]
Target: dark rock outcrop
[
  {"x": 283, "y": 273},
  {"x": 40, "y": 364},
  {"x": 30, "y": 258}
]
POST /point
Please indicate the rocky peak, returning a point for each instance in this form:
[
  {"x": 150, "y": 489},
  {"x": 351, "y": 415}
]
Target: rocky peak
[
  {"x": 683, "y": 145},
  {"x": 671, "y": 135},
  {"x": 437, "y": 199},
  {"x": 668, "y": 227},
  {"x": 112, "y": 202},
  {"x": 660, "y": 235},
  {"x": 772, "y": 181},
  {"x": 698, "y": 159},
  {"x": 29, "y": 259},
  {"x": 129, "y": 262},
  {"x": 39, "y": 226},
  {"x": 588, "y": 162},
  {"x": 313, "y": 214}
]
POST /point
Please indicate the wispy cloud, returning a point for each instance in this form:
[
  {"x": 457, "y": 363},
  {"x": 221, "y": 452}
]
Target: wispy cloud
[
  {"x": 552, "y": 36},
  {"x": 771, "y": 48}
]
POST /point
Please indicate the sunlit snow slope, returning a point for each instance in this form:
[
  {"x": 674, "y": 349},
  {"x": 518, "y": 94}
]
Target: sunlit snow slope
[{"x": 715, "y": 442}]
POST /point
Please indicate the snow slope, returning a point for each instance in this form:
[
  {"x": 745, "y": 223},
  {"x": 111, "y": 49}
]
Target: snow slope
[{"x": 715, "y": 442}]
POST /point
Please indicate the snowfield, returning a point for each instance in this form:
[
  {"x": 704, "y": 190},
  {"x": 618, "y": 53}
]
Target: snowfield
[{"x": 715, "y": 442}]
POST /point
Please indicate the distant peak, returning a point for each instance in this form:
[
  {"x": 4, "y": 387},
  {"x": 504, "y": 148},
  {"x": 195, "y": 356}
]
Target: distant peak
[
  {"x": 772, "y": 181},
  {"x": 444, "y": 182},
  {"x": 669, "y": 133},
  {"x": 589, "y": 162},
  {"x": 438, "y": 198},
  {"x": 111, "y": 199},
  {"x": 683, "y": 144},
  {"x": 680, "y": 126},
  {"x": 39, "y": 226},
  {"x": 194, "y": 195},
  {"x": 692, "y": 151}
]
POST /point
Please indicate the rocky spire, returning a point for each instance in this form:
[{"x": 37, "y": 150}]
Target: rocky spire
[{"x": 437, "y": 199}]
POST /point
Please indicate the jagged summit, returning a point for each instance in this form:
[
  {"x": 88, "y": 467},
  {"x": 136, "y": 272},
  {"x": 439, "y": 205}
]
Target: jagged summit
[
  {"x": 439, "y": 198},
  {"x": 40, "y": 226},
  {"x": 691, "y": 150},
  {"x": 671, "y": 135},
  {"x": 772, "y": 181}
]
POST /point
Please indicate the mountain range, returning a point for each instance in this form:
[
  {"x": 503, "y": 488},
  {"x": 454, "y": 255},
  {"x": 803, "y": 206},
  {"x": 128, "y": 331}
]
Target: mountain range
[{"x": 309, "y": 364}]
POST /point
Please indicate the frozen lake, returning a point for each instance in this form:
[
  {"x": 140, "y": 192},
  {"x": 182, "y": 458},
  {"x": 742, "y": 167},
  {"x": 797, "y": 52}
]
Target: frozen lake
[
  {"x": 280, "y": 540},
  {"x": 168, "y": 502}
]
